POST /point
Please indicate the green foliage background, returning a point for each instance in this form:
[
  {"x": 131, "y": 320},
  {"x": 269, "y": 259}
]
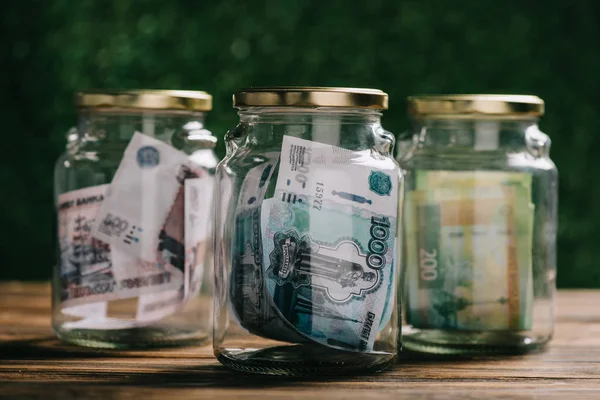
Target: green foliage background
[{"x": 50, "y": 49}]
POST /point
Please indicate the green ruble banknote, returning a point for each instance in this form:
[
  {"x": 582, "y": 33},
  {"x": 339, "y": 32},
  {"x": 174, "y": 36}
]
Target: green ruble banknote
[
  {"x": 468, "y": 251},
  {"x": 250, "y": 302},
  {"x": 329, "y": 236}
]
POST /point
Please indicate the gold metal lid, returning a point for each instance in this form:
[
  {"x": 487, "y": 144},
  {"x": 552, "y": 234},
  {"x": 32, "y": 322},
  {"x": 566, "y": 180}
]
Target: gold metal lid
[
  {"x": 475, "y": 105},
  {"x": 177, "y": 100},
  {"x": 306, "y": 96}
]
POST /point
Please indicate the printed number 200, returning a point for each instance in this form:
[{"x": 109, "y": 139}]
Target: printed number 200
[{"x": 428, "y": 265}]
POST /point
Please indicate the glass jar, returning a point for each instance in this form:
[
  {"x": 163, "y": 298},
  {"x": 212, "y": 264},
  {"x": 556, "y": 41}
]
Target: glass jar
[
  {"x": 134, "y": 198},
  {"x": 305, "y": 234},
  {"x": 480, "y": 226}
]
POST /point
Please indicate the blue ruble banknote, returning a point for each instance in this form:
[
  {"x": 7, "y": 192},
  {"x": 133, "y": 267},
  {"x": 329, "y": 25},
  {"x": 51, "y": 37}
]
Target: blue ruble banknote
[
  {"x": 469, "y": 256},
  {"x": 250, "y": 302},
  {"x": 329, "y": 239}
]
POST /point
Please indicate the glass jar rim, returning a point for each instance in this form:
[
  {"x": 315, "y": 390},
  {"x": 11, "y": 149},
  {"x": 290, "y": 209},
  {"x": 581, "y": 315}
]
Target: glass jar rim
[{"x": 310, "y": 96}]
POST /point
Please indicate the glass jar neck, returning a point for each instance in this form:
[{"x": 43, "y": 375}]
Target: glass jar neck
[
  {"x": 118, "y": 126},
  {"x": 480, "y": 135},
  {"x": 344, "y": 127},
  {"x": 303, "y": 115}
]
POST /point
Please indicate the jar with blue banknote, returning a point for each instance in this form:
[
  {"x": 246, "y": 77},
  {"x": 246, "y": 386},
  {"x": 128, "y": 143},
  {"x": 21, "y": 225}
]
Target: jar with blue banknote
[
  {"x": 480, "y": 219},
  {"x": 306, "y": 220},
  {"x": 134, "y": 205}
]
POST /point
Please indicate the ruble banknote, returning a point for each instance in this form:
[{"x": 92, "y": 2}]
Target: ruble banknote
[
  {"x": 143, "y": 217},
  {"x": 329, "y": 236},
  {"x": 144, "y": 235},
  {"x": 85, "y": 265},
  {"x": 468, "y": 239},
  {"x": 250, "y": 302}
]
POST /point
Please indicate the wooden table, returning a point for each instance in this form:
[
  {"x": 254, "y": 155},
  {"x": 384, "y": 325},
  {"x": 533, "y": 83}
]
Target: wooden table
[{"x": 35, "y": 364}]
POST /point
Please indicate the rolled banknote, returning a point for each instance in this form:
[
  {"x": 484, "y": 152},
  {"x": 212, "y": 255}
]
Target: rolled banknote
[
  {"x": 468, "y": 237},
  {"x": 329, "y": 236},
  {"x": 250, "y": 302}
]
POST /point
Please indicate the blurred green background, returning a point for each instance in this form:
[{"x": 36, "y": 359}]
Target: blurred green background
[{"x": 50, "y": 49}]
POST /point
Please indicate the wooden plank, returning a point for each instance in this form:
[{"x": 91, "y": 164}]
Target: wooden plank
[{"x": 35, "y": 364}]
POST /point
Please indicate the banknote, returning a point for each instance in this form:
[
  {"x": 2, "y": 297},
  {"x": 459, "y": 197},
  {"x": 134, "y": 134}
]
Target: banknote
[
  {"x": 468, "y": 238},
  {"x": 482, "y": 184},
  {"x": 156, "y": 306},
  {"x": 95, "y": 310},
  {"x": 143, "y": 217},
  {"x": 329, "y": 242},
  {"x": 86, "y": 273},
  {"x": 89, "y": 280},
  {"x": 250, "y": 303},
  {"x": 197, "y": 229},
  {"x": 101, "y": 323},
  {"x": 148, "y": 308},
  {"x": 468, "y": 180},
  {"x": 145, "y": 234},
  {"x": 145, "y": 202}
]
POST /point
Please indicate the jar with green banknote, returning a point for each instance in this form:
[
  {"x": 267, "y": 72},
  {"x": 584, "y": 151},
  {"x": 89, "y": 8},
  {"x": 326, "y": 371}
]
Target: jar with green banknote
[
  {"x": 134, "y": 205},
  {"x": 480, "y": 219},
  {"x": 305, "y": 230}
]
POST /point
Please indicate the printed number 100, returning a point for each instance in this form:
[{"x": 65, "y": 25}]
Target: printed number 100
[{"x": 428, "y": 265}]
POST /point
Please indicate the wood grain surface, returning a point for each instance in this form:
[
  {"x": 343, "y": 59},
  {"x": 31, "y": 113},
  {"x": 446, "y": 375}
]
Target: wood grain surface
[{"x": 34, "y": 364}]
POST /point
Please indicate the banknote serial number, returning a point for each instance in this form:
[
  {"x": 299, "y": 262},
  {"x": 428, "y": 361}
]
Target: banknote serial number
[
  {"x": 319, "y": 190},
  {"x": 380, "y": 232}
]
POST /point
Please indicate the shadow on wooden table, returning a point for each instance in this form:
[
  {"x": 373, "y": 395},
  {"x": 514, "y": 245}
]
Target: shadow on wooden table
[
  {"x": 46, "y": 357},
  {"x": 52, "y": 348},
  {"x": 49, "y": 347}
]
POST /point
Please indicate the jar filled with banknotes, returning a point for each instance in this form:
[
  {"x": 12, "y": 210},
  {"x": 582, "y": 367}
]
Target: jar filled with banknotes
[
  {"x": 306, "y": 228},
  {"x": 134, "y": 202},
  {"x": 480, "y": 225}
]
